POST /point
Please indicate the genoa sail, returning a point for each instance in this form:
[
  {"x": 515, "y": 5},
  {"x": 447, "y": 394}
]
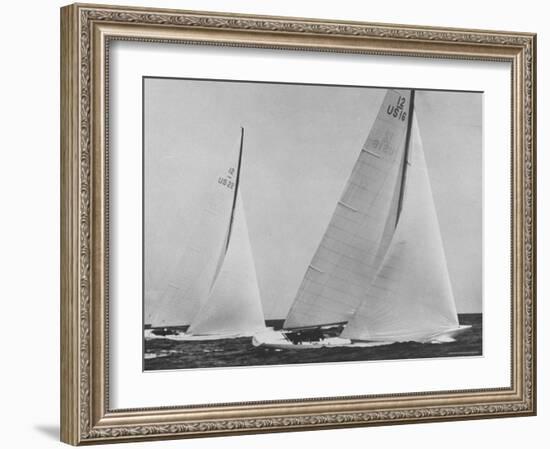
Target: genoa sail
[
  {"x": 346, "y": 260},
  {"x": 233, "y": 306},
  {"x": 410, "y": 298}
]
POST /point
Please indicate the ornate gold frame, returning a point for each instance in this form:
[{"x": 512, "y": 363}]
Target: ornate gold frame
[{"x": 86, "y": 31}]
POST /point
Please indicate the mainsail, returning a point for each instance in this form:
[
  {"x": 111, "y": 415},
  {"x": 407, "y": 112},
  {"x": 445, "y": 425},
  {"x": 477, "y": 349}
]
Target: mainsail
[
  {"x": 359, "y": 231},
  {"x": 188, "y": 284},
  {"x": 411, "y": 296}
]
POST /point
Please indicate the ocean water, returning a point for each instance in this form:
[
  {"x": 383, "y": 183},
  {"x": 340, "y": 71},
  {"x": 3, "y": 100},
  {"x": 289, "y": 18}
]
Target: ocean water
[{"x": 165, "y": 354}]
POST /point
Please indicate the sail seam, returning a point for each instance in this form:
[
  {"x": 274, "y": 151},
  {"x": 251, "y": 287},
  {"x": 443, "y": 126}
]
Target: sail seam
[
  {"x": 316, "y": 269},
  {"x": 347, "y": 206},
  {"x": 371, "y": 153}
]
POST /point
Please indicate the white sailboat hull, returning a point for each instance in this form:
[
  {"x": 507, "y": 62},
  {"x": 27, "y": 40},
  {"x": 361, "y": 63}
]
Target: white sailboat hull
[
  {"x": 183, "y": 336},
  {"x": 278, "y": 340},
  {"x": 150, "y": 335},
  {"x": 189, "y": 337}
]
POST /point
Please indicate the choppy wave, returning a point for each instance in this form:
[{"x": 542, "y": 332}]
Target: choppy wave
[{"x": 162, "y": 353}]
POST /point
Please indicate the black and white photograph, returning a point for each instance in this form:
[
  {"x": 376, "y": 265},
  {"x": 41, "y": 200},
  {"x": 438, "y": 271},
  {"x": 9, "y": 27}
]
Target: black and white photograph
[{"x": 288, "y": 223}]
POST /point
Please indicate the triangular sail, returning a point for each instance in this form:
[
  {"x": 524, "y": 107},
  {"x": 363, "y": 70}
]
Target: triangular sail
[
  {"x": 345, "y": 261},
  {"x": 187, "y": 286},
  {"x": 411, "y": 296},
  {"x": 234, "y": 305},
  {"x": 190, "y": 281}
]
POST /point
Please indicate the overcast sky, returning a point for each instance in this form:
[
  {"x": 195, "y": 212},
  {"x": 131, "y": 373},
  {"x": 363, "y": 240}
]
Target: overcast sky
[{"x": 300, "y": 147}]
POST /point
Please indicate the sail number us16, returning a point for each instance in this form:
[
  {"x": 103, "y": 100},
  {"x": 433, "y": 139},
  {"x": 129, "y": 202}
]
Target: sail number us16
[{"x": 398, "y": 109}]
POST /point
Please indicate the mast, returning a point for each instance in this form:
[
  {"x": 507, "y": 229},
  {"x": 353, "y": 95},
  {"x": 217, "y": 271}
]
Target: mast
[
  {"x": 405, "y": 157},
  {"x": 237, "y": 178}
]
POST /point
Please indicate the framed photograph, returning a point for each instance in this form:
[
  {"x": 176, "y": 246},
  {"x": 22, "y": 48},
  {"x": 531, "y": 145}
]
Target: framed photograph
[{"x": 279, "y": 224}]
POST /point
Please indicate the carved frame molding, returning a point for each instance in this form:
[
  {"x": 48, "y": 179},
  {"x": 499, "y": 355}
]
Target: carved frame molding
[{"x": 87, "y": 31}]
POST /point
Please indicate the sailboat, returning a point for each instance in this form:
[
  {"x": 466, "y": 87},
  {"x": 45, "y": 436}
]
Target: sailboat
[
  {"x": 379, "y": 275},
  {"x": 216, "y": 289}
]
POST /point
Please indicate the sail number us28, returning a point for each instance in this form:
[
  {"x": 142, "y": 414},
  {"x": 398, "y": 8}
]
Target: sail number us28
[{"x": 226, "y": 180}]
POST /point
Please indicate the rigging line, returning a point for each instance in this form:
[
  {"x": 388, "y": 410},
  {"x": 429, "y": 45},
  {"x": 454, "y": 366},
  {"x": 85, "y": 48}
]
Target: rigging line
[
  {"x": 237, "y": 178},
  {"x": 405, "y": 157}
]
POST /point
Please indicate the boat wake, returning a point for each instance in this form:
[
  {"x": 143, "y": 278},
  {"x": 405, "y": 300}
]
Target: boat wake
[{"x": 158, "y": 355}]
